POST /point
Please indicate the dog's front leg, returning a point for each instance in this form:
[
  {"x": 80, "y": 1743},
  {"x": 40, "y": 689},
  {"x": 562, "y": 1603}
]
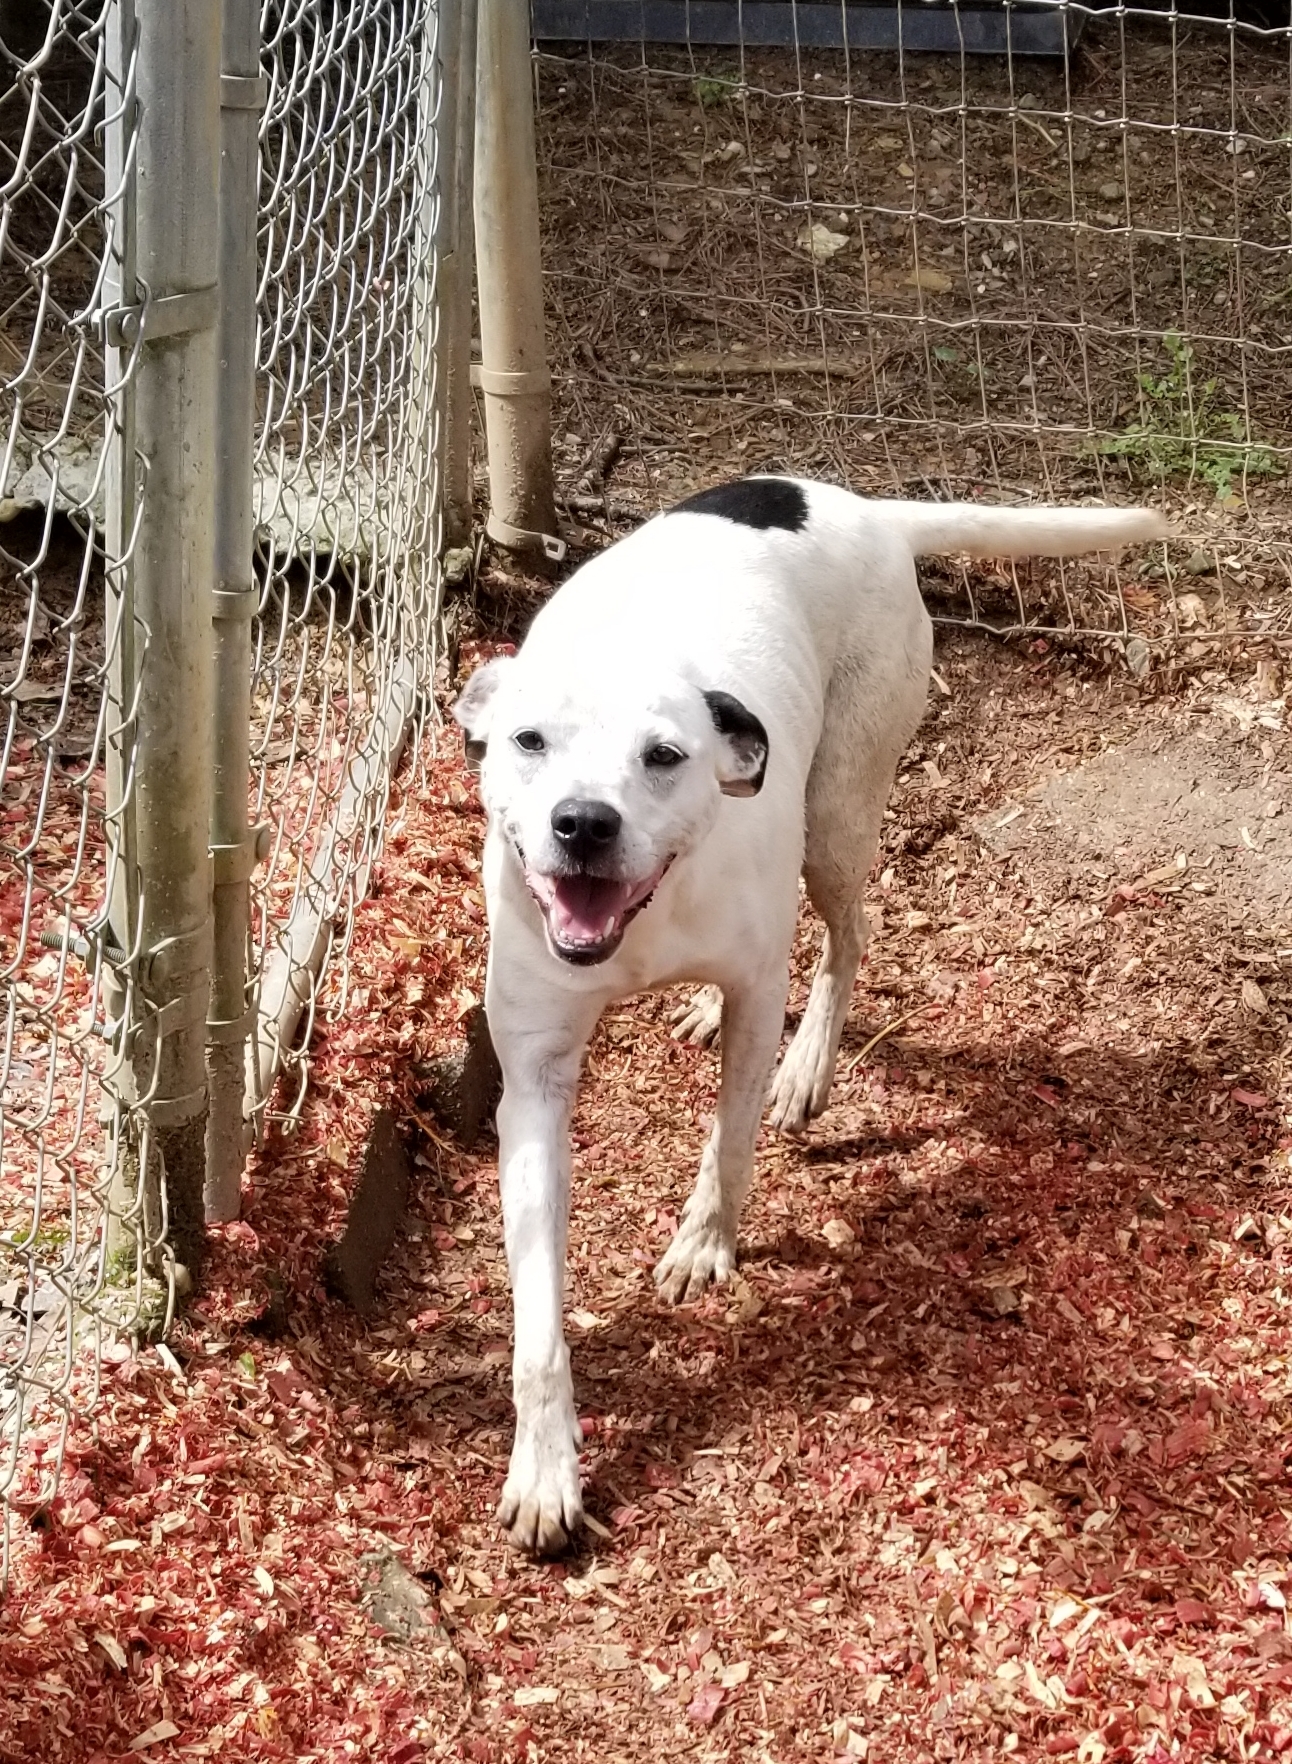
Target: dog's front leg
[
  {"x": 704, "y": 1248},
  {"x": 540, "y": 1042}
]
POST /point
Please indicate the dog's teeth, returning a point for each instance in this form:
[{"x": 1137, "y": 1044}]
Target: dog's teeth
[{"x": 609, "y": 926}]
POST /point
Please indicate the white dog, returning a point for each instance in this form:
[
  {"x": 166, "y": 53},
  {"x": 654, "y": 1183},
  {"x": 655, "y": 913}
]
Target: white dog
[{"x": 704, "y": 712}]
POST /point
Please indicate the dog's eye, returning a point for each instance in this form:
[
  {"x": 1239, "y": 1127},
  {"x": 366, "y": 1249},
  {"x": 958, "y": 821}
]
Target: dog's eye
[
  {"x": 662, "y": 756},
  {"x": 529, "y": 741}
]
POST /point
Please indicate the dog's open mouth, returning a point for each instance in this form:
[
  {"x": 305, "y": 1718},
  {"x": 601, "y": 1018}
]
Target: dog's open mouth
[{"x": 587, "y": 915}]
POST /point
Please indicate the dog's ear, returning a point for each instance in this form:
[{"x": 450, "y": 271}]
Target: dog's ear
[
  {"x": 743, "y": 764},
  {"x": 472, "y": 709}
]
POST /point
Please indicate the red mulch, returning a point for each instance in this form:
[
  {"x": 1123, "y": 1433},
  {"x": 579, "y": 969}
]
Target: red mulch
[{"x": 985, "y": 1451}]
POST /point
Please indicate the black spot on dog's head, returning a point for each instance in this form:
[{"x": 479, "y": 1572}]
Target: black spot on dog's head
[{"x": 752, "y": 502}]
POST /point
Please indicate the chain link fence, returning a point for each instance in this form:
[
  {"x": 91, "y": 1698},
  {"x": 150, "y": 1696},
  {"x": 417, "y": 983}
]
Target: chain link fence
[
  {"x": 177, "y": 895},
  {"x": 61, "y": 222},
  {"x": 347, "y": 485},
  {"x": 950, "y": 274}
]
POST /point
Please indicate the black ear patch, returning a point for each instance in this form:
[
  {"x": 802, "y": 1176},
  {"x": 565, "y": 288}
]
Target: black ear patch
[
  {"x": 753, "y": 502},
  {"x": 746, "y": 743}
]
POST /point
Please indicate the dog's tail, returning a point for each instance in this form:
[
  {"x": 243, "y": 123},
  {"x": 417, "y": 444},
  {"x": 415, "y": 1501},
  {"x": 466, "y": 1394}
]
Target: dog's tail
[{"x": 936, "y": 528}]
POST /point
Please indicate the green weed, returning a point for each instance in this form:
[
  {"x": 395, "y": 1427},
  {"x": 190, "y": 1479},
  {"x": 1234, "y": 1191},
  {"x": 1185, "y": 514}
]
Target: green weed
[
  {"x": 714, "y": 89},
  {"x": 1183, "y": 429}
]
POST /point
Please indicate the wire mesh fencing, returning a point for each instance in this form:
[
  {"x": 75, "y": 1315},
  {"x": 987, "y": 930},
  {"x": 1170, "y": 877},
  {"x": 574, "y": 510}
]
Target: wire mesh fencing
[
  {"x": 71, "y": 1261},
  {"x": 347, "y": 479},
  {"x": 946, "y": 275},
  {"x": 106, "y": 967}
]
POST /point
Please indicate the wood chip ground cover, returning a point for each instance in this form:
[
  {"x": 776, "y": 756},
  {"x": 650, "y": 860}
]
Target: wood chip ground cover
[{"x": 985, "y": 1451}]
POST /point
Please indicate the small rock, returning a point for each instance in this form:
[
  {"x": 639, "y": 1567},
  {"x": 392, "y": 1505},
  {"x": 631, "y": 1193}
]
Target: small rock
[
  {"x": 1200, "y": 563},
  {"x": 1191, "y": 610},
  {"x": 1111, "y": 191},
  {"x": 820, "y": 243},
  {"x": 838, "y": 1233},
  {"x": 1138, "y": 657},
  {"x": 457, "y": 564},
  {"x": 1003, "y": 1300},
  {"x": 396, "y": 1600}
]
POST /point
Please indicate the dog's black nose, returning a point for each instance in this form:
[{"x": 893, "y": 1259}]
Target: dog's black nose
[{"x": 584, "y": 829}]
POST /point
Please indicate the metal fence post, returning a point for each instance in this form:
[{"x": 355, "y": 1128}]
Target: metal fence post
[
  {"x": 455, "y": 249},
  {"x": 233, "y": 842},
  {"x": 164, "y": 329},
  {"x": 513, "y": 373}
]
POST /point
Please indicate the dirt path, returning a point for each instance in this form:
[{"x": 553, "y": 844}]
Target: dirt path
[{"x": 985, "y": 1450}]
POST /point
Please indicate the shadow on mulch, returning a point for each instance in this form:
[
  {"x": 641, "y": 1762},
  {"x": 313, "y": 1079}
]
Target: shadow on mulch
[{"x": 996, "y": 1285}]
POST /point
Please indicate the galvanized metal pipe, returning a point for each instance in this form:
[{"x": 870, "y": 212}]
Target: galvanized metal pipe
[
  {"x": 513, "y": 374},
  {"x": 231, "y": 1017},
  {"x": 163, "y": 335},
  {"x": 454, "y": 248}
]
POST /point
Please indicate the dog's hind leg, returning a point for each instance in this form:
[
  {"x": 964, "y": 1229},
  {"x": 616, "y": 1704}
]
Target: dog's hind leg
[
  {"x": 699, "y": 1020},
  {"x": 704, "y": 1249},
  {"x": 801, "y": 1088},
  {"x": 864, "y": 737}
]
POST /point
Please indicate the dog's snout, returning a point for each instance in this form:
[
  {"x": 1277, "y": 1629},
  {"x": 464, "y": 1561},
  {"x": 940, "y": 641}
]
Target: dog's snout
[{"x": 583, "y": 828}]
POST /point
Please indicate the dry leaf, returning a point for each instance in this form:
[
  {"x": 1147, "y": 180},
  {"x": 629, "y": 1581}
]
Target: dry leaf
[
  {"x": 704, "y": 1706},
  {"x": 114, "y": 1650},
  {"x": 1066, "y": 1450},
  {"x": 154, "y": 1735},
  {"x": 530, "y": 1696},
  {"x": 929, "y": 281},
  {"x": 1254, "y": 999},
  {"x": 656, "y": 1680}
]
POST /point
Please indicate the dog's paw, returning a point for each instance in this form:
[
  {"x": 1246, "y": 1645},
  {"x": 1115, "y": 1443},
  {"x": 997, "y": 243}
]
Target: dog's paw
[
  {"x": 800, "y": 1091},
  {"x": 699, "y": 1020},
  {"x": 702, "y": 1251},
  {"x": 542, "y": 1504}
]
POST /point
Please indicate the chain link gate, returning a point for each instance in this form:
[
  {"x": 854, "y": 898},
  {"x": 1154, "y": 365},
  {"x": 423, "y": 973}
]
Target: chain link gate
[{"x": 219, "y": 541}]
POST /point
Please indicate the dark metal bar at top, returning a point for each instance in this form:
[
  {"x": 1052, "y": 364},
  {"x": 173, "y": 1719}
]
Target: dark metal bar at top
[{"x": 940, "y": 29}]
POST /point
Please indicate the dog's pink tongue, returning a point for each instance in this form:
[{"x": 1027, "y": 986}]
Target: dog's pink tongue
[{"x": 586, "y": 909}]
